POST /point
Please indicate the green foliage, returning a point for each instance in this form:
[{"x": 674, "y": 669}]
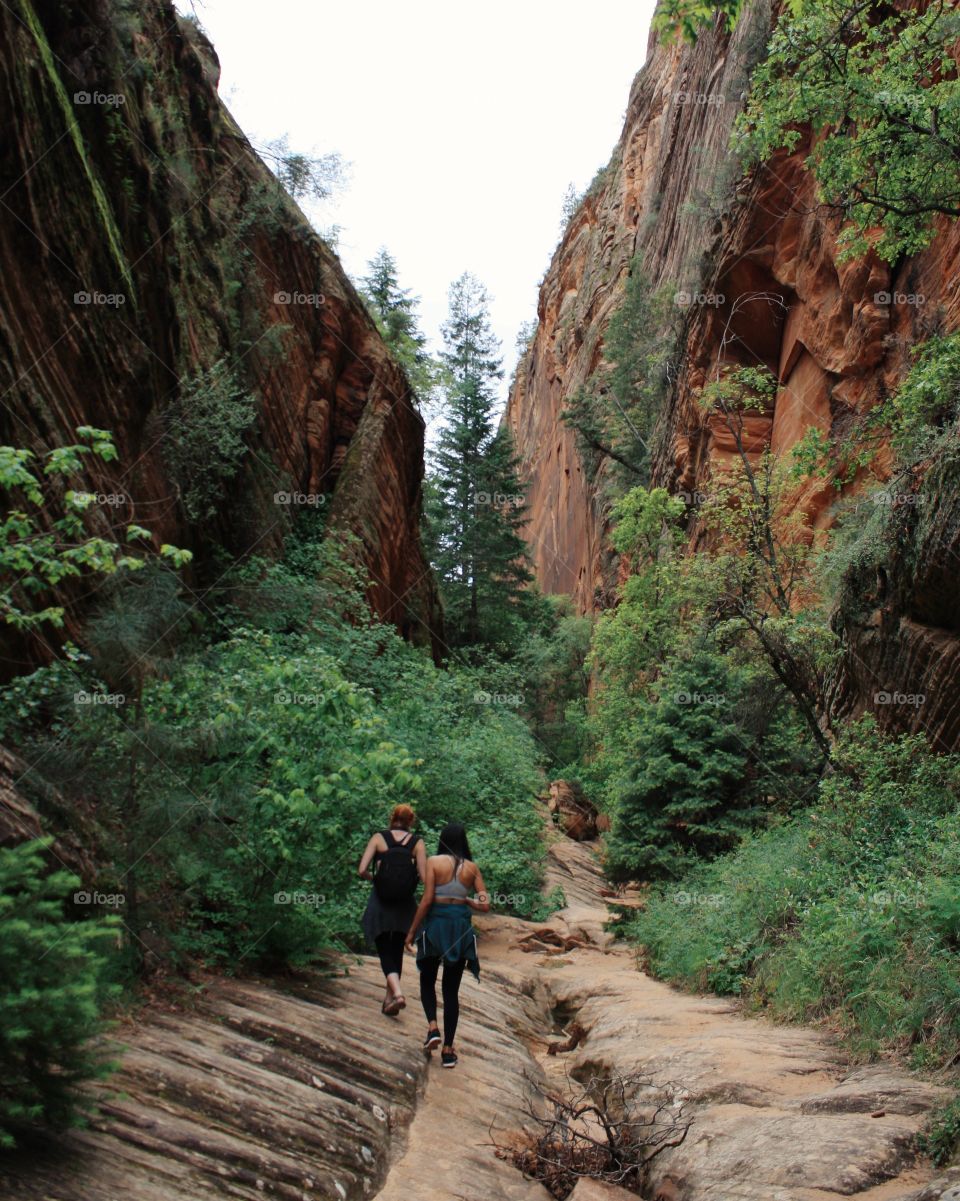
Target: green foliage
[
  {"x": 680, "y": 799},
  {"x": 880, "y": 89},
  {"x": 51, "y": 994},
  {"x": 551, "y": 671},
  {"x": 300, "y": 767},
  {"x": 304, "y": 176},
  {"x": 849, "y": 912},
  {"x": 238, "y": 779},
  {"x": 476, "y": 505},
  {"x": 204, "y": 443},
  {"x": 768, "y": 591},
  {"x": 691, "y": 17},
  {"x": 615, "y": 412},
  {"x": 914, "y": 422},
  {"x": 923, "y": 412},
  {"x": 43, "y": 536},
  {"x": 572, "y": 200},
  {"x": 395, "y": 312},
  {"x": 691, "y": 740},
  {"x": 890, "y": 521},
  {"x": 941, "y": 1139}
]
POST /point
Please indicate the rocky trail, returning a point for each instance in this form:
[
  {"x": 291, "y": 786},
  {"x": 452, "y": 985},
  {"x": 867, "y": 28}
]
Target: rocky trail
[{"x": 307, "y": 1093}]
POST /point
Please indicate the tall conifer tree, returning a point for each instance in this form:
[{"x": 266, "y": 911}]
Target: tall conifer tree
[{"x": 476, "y": 504}]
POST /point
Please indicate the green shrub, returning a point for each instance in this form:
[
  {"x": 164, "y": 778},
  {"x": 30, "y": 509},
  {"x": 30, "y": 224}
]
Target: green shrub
[
  {"x": 242, "y": 777},
  {"x": 51, "y": 994},
  {"x": 941, "y": 1138},
  {"x": 204, "y": 437}
]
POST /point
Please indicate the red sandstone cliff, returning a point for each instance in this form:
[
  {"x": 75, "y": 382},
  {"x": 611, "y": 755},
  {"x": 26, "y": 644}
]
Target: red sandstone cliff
[
  {"x": 157, "y": 197},
  {"x": 671, "y": 195}
]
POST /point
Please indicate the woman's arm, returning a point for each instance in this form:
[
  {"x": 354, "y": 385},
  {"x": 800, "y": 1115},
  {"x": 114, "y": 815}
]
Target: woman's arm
[
  {"x": 420, "y": 854},
  {"x": 363, "y": 871},
  {"x": 429, "y": 887},
  {"x": 481, "y": 902}
]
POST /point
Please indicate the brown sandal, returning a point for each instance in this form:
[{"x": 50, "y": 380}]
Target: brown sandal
[{"x": 392, "y": 1007}]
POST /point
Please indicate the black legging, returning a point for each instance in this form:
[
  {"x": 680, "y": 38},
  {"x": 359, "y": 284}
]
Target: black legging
[
  {"x": 452, "y": 975},
  {"x": 390, "y": 949}
]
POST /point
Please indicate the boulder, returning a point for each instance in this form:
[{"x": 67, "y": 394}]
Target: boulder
[{"x": 576, "y": 816}]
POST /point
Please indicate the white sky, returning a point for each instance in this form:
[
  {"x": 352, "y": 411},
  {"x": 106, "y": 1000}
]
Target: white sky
[{"x": 463, "y": 124}]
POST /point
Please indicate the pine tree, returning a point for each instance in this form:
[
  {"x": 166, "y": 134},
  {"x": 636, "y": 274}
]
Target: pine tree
[
  {"x": 476, "y": 505},
  {"x": 684, "y": 798},
  {"x": 395, "y": 312}
]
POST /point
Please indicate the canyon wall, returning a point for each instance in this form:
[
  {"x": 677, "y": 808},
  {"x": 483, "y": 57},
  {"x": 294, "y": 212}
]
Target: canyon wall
[
  {"x": 658, "y": 197},
  {"x": 142, "y": 242},
  {"x": 756, "y": 270}
]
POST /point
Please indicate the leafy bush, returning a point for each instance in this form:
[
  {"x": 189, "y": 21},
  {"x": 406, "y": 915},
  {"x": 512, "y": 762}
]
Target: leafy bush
[
  {"x": 37, "y": 554},
  {"x": 300, "y": 768},
  {"x": 691, "y": 739},
  {"x": 204, "y": 441},
  {"x": 240, "y": 779},
  {"x": 941, "y": 1138},
  {"x": 51, "y": 994}
]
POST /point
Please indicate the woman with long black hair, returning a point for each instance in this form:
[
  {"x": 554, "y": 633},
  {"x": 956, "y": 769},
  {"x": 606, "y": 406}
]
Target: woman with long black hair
[{"x": 442, "y": 930}]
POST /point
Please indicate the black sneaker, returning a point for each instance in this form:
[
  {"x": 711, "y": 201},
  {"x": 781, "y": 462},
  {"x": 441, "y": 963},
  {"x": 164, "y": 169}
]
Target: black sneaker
[
  {"x": 448, "y": 1059},
  {"x": 432, "y": 1041}
]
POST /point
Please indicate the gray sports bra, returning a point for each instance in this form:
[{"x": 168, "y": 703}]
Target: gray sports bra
[{"x": 454, "y": 888}]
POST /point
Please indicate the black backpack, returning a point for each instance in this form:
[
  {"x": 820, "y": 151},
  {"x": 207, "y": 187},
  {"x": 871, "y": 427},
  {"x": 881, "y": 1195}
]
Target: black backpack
[{"x": 397, "y": 876}]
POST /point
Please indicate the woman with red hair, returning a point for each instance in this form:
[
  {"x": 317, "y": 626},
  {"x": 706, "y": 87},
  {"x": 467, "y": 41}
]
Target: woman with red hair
[{"x": 395, "y": 860}]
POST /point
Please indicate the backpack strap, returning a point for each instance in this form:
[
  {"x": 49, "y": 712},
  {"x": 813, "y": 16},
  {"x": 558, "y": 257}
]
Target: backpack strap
[{"x": 409, "y": 839}]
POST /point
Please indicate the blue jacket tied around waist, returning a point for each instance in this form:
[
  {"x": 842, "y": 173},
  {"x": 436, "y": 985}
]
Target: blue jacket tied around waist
[{"x": 447, "y": 933}]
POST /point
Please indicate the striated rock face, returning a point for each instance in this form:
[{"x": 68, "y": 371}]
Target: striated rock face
[
  {"x": 657, "y": 196},
  {"x": 142, "y": 241},
  {"x": 826, "y": 329},
  {"x": 258, "y": 1091}
]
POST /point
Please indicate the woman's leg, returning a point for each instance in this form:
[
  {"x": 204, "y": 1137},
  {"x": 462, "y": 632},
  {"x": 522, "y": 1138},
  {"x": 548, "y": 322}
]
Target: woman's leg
[
  {"x": 390, "y": 950},
  {"x": 452, "y": 975},
  {"x": 428, "y": 989}
]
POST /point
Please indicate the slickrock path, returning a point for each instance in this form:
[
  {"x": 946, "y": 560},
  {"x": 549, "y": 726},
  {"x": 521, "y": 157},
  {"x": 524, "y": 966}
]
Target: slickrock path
[
  {"x": 308, "y": 1093},
  {"x": 777, "y": 1114}
]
